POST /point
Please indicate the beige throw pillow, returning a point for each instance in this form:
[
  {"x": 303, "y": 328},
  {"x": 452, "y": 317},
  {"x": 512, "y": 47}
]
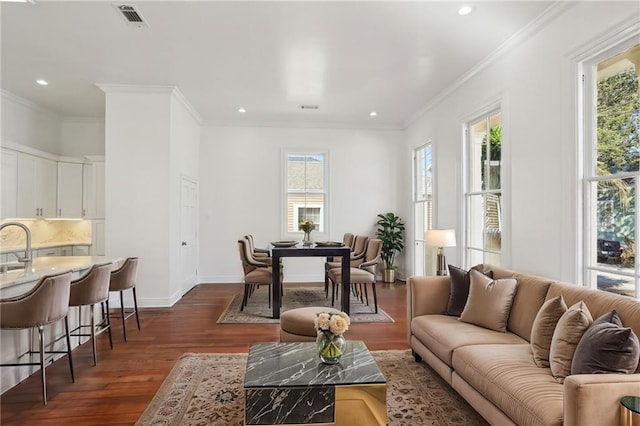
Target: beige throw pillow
[
  {"x": 571, "y": 326},
  {"x": 489, "y": 302},
  {"x": 543, "y": 327}
]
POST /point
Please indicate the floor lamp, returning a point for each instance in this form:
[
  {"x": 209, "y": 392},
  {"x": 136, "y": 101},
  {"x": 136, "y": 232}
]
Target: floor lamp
[{"x": 441, "y": 238}]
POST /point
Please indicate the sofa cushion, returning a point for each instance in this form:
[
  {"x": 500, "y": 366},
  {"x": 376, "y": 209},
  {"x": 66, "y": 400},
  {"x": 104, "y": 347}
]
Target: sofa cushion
[
  {"x": 543, "y": 327},
  {"x": 607, "y": 347},
  {"x": 442, "y": 334},
  {"x": 566, "y": 337},
  {"x": 507, "y": 376},
  {"x": 489, "y": 302},
  {"x": 459, "y": 292}
]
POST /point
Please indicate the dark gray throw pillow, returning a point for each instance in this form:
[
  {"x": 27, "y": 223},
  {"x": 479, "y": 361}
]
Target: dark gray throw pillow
[
  {"x": 459, "y": 290},
  {"x": 607, "y": 347}
]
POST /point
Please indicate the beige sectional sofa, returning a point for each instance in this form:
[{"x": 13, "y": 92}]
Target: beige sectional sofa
[{"x": 495, "y": 371}]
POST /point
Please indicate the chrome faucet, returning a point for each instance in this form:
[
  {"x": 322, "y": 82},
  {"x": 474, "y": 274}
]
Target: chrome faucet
[{"x": 27, "y": 250}]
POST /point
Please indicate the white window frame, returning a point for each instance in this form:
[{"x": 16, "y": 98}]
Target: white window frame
[
  {"x": 588, "y": 144},
  {"x": 422, "y": 263},
  {"x": 486, "y": 113},
  {"x": 324, "y": 210}
]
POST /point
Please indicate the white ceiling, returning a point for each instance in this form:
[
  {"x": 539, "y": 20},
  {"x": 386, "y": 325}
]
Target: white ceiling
[{"x": 349, "y": 58}]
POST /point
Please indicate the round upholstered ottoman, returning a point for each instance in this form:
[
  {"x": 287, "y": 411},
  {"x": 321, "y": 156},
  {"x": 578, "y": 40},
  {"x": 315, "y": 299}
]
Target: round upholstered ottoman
[{"x": 296, "y": 325}]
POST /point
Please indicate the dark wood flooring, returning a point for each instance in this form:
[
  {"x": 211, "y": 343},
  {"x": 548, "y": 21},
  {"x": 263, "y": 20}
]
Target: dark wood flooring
[{"x": 118, "y": 389}]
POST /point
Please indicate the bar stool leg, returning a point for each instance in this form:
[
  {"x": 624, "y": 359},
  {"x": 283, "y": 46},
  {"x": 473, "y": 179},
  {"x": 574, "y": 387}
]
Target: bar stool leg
[
  {"x": 66, "y": 329},
  {"x": 135, "y": 305},
  {"x": 108, "y": 319},
  {"x": 93, "y": 335},
  {"x": 42, "y": 372},
  {"x": 124, "y": 326}
]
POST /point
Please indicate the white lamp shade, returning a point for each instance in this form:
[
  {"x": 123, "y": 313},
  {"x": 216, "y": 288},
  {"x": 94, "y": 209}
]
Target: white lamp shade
[{"x": 441, "y": 237}]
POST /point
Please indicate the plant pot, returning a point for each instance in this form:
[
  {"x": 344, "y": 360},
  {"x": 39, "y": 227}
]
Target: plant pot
[{"x": 389, "y": 275}]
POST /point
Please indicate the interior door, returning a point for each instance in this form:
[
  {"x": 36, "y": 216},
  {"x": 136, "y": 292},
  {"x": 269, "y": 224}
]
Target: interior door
[{"x": 189, "y": 233}]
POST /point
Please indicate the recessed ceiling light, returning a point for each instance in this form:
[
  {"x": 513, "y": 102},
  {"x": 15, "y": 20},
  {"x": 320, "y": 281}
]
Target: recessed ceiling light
[
  {"x": 42, "y": 82},
  {"x": 241, "y": 110},
  {"x": 465, "y": 10},
  {"x": 373, "y": 113}
]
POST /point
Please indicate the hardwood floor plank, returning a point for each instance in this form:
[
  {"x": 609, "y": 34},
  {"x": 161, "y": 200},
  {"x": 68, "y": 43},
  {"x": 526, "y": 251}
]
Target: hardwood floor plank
[{"x": 119, "y": 388}]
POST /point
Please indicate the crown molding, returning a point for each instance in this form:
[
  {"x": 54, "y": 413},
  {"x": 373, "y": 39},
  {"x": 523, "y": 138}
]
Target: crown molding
[
  {"x": 29, "y": 104},
  {"x": 185, "y": 103},
  {"x": 541, "y": 21}
]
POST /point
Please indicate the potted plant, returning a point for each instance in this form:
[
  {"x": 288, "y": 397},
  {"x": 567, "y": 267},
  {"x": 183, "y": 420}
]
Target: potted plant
[{"x": 390, "y": 232}]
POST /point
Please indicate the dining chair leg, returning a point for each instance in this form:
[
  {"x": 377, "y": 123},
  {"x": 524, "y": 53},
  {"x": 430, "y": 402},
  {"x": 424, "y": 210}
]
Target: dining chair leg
[
  {"x": 375, "y": 296},
  {"x": 42, "y": 363},
  {"x": 66, "y": 330},
  {"x": 135, "y": 306},
  {"x": 93, "y": 335},
  {"x": 124, "y": 325},
  {"x": 245, "y": 297}
]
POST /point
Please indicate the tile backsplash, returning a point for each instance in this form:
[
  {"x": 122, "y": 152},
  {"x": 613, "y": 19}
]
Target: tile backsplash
[{"x": 46, "y": 233}]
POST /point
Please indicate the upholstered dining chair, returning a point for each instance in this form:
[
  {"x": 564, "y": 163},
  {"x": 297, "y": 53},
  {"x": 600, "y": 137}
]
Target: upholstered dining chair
[
  {"x": 46, "y": 303},
  {"x": 89, "y": 290},
  {"x": 260, "y": 255},
  {"x": 124, "y": 278},
  {"x": 256, "y": 272},
  {"x": 363, "y": 274},
  {"x": 358, "y": 246}
]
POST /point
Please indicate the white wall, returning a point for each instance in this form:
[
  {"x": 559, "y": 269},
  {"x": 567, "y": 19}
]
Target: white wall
[
  {"x": 137, "y": 175},
  {"x": 534, "y": 82},
  {"x": 241, "y": 189},
  {"x": 82, "y": 136},
  {"x": 28, "y": 124}
]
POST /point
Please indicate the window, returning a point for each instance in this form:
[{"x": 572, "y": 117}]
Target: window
[
  {"x": 612, "y": 177},
  {"x": 306, "y": 191},
  {"x": 483, "y": 193},
  {"x": 423, "y": 205}
]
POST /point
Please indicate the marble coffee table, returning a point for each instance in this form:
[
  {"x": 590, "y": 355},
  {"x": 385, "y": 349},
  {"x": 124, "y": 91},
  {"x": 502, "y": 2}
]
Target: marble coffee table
[{"x": 285, "y": 383}]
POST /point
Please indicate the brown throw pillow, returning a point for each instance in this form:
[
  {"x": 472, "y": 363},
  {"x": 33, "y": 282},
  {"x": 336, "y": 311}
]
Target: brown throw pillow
[
  {"x": 489, "y": 302},
  {"x": 459, "y": 290},
  {"x": 571, "y": 326},
  {"x": 607, "y": 347},
  {"x": 543, "y": 327}
]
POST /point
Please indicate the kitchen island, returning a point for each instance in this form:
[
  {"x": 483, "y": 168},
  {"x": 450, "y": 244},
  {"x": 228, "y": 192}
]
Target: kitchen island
[{"x": 15, "y": 343}]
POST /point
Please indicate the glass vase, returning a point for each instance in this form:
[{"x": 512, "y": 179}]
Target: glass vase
[
  {"x": 330, "y": 347},
  {"x": 307, "y": 241}
]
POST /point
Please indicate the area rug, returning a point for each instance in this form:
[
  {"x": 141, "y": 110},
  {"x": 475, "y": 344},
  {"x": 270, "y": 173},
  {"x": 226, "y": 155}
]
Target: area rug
[
  {"x": 206, "y": 389},
  {"x": 258, "y": 310}
]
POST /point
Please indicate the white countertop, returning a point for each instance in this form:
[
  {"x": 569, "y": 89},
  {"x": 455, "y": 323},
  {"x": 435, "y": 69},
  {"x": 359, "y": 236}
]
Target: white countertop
[{"x": 52, "y": 265}]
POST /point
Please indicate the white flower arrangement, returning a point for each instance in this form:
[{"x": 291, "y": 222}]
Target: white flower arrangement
[{"x": 332, "y": 322}]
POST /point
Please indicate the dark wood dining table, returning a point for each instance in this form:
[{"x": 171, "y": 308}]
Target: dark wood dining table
[{"x": 319, "y": 251}]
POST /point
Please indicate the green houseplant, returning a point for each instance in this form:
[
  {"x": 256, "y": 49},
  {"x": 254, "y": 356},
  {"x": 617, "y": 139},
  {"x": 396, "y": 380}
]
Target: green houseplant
[{"x": 390, "y": 232}]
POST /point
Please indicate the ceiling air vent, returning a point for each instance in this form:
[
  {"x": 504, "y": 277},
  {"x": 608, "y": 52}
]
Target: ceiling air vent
[
  {"x": 309, "y": 106},
  {"x": 131, "y": 15}
]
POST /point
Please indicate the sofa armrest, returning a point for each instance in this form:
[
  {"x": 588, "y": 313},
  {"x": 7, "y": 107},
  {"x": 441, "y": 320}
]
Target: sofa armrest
[
  {"x": 427, "y": 295},
  {"x": 595, "y": 398}
]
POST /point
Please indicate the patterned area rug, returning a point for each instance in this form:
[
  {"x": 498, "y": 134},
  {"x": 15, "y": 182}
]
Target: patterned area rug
[
  {"x": 206, "y": 389},
  {"x": 258, "y": 310}
]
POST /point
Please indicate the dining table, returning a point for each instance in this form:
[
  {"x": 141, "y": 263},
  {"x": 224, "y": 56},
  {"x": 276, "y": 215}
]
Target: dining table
[{"x": 277, "y": 253}]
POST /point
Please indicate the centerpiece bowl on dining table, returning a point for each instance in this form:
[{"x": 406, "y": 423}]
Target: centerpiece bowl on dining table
[
  {"x": 329, "y": 244},
  {"x": 290, "y": 243}
]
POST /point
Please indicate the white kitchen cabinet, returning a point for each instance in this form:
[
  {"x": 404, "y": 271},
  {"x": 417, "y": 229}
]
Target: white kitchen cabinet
[
  {"x": 98, "y": 238},
  {"x": 9, "y": 183},
  {"x": 80, "y": 251},
  {"x": 54, "y": 251},
  {"x": 93, "y": 191},
  {"x": 37, "y": 187},
  {"x": 70, "y": 177}
]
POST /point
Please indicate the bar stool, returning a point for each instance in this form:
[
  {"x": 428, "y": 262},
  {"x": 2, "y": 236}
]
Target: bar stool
[
  {"x": 44, "y": 304},
  {"x": 90, "y": 289},
  {"x": 124, "y": 278}
]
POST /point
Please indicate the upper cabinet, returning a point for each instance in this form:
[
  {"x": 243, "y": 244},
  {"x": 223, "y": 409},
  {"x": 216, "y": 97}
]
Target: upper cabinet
[
  {"x": 37, "y": 187},
  {"x": 70, "y": 182},
  {"x": 8, "y": 183}
]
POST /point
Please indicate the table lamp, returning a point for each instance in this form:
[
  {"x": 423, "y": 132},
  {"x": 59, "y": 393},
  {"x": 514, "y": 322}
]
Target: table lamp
[{"x": 441, "y": 238}]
